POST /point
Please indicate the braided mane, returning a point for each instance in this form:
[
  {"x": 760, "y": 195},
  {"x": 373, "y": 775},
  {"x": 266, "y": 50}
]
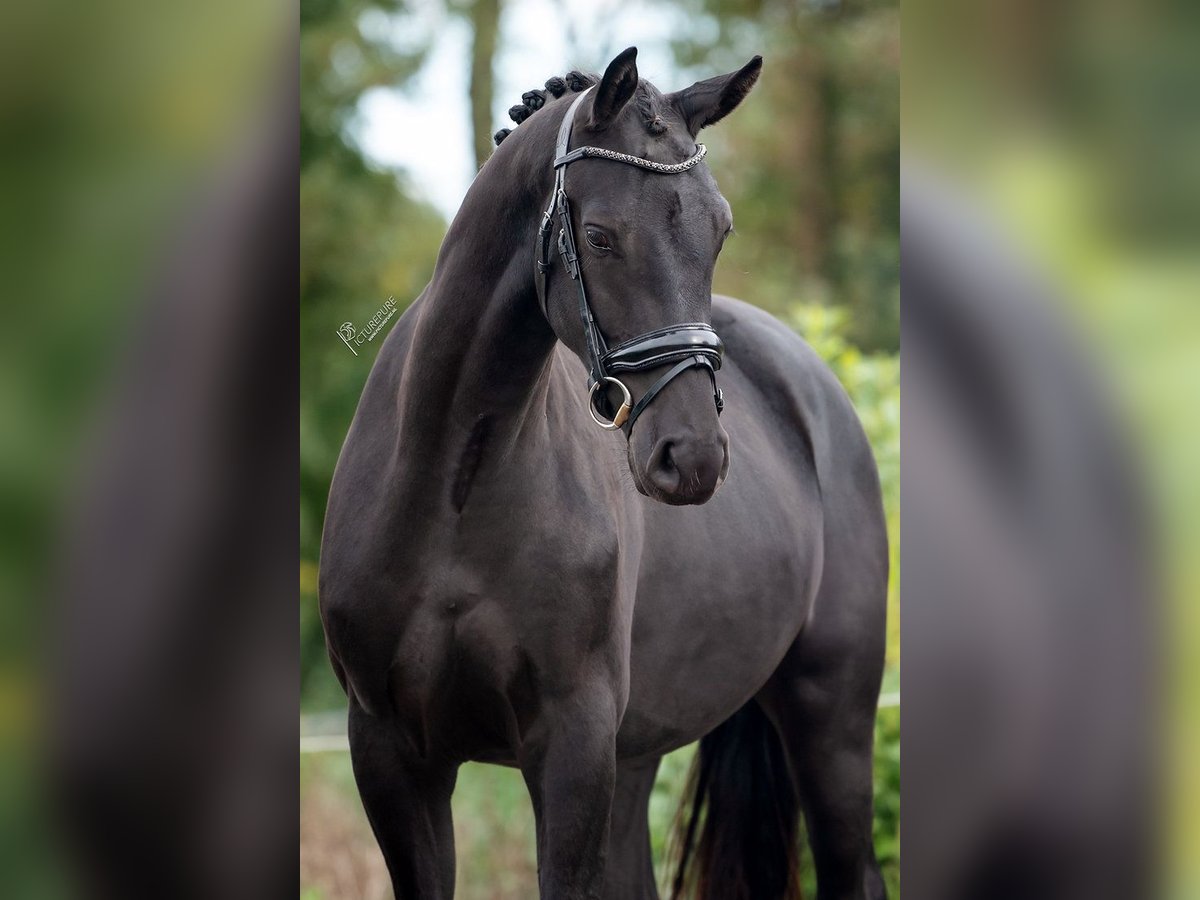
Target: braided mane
[{"x": 646, "y": 100}]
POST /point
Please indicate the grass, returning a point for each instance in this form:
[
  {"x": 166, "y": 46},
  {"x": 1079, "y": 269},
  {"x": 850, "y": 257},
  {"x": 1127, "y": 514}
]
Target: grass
[{"x": 494, "y": 831}]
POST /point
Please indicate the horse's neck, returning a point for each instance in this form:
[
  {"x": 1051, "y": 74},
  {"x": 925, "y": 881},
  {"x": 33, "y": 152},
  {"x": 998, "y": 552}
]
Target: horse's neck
[{"x": 481, "y": 348}]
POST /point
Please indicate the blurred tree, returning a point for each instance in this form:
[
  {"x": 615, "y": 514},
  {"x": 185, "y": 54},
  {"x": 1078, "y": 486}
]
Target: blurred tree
[
  {"x": 363, "y": 238},
  {"x": 339, "y": 62},
  {"x": 817, "y": 210},
  {"x": 484, "y": 16}
]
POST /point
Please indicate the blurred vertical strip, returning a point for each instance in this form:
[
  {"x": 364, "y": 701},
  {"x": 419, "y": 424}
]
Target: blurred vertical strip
[
  {"x": 1051, "y": 337},
  {"x": 148, "y": 371}
]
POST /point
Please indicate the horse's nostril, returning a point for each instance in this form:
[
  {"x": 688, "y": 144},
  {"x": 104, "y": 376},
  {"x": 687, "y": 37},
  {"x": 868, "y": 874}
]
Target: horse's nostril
[
  {"x": 668, "y": 461},
  {"x": 685, "y": 470}
]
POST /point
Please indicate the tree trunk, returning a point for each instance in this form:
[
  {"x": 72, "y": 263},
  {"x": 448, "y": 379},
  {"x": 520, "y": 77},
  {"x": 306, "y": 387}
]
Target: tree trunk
[
  {"x": 814, "y": 154},
  {"x": 485, "y": 24}
]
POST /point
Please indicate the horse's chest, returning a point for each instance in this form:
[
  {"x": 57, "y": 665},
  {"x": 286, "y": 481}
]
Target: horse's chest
[
  {"x": 499, "y": 618},
  {"x": 472, "y": 671}
]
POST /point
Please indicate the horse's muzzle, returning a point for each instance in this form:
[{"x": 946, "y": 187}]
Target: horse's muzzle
[{"x": 685, "y": 469}]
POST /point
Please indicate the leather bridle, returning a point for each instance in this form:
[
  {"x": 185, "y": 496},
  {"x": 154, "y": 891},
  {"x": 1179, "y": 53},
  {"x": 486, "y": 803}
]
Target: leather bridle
[{"x": 680, "y": 346}]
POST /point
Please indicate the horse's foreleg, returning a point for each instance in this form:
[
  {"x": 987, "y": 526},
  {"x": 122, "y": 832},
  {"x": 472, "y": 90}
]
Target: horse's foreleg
[
  {"x": 629, "y": 874},
  {"x": 407, "y": 802},
  {"x": 569, "y": 764}
]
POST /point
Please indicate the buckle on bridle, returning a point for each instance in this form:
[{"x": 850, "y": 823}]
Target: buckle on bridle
[
  {"x": 569, "y": 254},
  {"x": 622, "y": 411}
]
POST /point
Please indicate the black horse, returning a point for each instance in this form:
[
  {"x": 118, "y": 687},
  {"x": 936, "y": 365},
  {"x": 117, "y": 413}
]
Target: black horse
[{"x": 496, "y": 585}]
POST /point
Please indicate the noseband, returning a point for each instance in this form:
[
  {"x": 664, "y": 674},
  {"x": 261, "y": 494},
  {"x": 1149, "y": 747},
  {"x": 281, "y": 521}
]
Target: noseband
[{"x": 679, "y": 346}]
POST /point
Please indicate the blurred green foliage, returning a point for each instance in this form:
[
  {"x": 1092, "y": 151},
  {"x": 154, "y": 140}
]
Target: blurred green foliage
[
  {"x": 1074, "y": 131},
  {"x": 811, "y": 163},
  {"x": 810, "y": 166}
]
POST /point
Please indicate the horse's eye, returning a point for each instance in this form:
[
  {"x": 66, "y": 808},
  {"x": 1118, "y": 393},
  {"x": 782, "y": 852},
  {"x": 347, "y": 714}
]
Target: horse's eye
[{"x": 598, "y": 239}]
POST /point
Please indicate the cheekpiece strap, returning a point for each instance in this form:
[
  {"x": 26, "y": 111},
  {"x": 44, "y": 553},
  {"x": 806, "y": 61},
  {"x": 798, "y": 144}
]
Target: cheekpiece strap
[{"x": 682, "y": 347}]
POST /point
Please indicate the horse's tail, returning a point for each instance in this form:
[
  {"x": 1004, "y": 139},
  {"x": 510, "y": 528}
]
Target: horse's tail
[{"x": 739, "y": 840}]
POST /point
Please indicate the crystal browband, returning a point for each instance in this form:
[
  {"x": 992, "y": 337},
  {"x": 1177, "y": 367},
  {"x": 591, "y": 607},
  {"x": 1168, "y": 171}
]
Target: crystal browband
[{"x": 661, "y": 168}]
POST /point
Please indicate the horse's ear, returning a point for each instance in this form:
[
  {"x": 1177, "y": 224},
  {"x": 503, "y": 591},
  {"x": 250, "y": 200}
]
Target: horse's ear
[
  {"x": 708, "y": 102},
  {"x": 616, "y": 87}
]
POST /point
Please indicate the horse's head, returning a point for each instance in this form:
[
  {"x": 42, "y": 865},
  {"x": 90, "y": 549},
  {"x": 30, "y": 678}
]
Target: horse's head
[{"x": 647, "y": 243}]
